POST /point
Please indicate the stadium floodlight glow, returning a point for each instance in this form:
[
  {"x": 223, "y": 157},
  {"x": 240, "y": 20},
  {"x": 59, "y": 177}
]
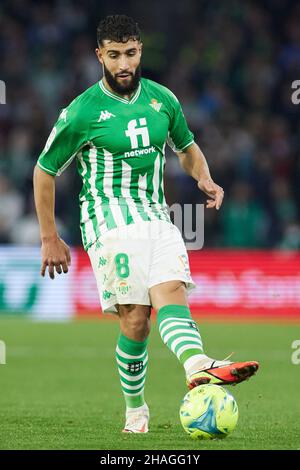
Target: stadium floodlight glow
[{"x": 2, "y": 92}]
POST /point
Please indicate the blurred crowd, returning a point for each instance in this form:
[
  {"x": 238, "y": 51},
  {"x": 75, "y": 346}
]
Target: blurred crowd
[{"x": 231, "y": 64}]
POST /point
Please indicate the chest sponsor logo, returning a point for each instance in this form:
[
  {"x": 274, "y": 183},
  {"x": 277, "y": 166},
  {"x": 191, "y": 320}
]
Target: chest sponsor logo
[{"x": 137, "y": 131}]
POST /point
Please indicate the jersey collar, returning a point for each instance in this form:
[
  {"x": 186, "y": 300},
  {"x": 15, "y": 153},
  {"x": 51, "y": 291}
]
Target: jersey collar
[{"x": 117, "y": 97}]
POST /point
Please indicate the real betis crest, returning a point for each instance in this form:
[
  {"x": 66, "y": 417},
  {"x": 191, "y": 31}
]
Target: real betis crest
[
  {"x": 155, "y": 105},
  {"x": 123, "y": 288}
]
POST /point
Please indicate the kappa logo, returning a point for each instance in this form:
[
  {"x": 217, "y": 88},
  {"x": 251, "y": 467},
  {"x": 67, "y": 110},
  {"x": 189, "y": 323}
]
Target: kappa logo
[
  {"x": 102, "y": 261},
  {"x": 104, "y": 115},
  {"x": 155, "y": 105},
  {"x": 106, "y": 295}
]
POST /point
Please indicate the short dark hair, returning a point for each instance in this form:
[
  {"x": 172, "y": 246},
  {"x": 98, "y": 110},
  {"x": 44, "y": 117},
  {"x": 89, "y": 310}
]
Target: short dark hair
[{"x": 118, "y": 28}]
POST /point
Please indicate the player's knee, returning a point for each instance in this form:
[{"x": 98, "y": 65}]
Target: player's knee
[
  {"x": 180, "y": 286},
  {"x": 171, "y": 292},
  {"x": 124, "y": 309},
  {"x": 174, "y": 287},
  {"x": 135, "y": 318},
  {"x": 141, "y": 327}
]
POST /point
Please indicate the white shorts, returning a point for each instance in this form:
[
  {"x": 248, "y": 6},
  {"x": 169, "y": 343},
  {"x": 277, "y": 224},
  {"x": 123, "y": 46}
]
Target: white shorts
[{"x": 129, "y": 260}]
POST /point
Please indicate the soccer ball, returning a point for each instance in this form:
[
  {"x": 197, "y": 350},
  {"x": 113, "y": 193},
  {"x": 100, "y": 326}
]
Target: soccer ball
[{"x": 208, "y": 412}]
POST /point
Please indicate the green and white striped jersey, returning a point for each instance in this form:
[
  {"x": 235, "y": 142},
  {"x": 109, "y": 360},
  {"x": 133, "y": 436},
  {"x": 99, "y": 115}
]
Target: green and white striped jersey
[{"x": 119, "y": 148}]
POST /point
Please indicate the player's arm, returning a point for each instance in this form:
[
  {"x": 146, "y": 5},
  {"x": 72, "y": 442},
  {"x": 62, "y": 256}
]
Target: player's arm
[
  {"x": 66, "y": 138},
  {"x": 194, "y": 164},
  {"x": 55, "y": 252},
  {"x": 181, "y": 141}
]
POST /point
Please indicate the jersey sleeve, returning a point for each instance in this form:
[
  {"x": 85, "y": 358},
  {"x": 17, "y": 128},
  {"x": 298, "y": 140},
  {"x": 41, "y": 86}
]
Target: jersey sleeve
[
  {"x": 179, "y": 136},
  {"x": 65, "y": 140}
]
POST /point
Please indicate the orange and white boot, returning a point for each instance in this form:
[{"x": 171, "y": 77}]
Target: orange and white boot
[
  {"x": 137, "y": 420},
  {"x": 221, "y": 373}
]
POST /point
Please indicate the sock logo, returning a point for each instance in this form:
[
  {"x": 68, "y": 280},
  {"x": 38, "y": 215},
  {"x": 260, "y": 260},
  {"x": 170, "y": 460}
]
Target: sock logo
[
  {"x": 135, "y": 367},
  {"x": 193, "y": 325}
]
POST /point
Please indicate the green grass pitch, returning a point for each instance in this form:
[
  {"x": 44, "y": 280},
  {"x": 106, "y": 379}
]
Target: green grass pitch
[{"x": 60, "y": 388}]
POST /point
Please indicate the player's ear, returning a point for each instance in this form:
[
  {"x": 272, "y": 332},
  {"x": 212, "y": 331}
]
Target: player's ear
[{"x": 99, "y": 55}]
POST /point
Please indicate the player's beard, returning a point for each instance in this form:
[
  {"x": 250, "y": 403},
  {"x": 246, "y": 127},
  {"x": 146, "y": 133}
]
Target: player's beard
[{"x": 123, "y": 89}]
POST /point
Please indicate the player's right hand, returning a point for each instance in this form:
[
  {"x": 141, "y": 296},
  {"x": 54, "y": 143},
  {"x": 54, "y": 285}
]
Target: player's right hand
[
  {"x": 56, "y": 255},
  {"x": 214, "y": 191}
]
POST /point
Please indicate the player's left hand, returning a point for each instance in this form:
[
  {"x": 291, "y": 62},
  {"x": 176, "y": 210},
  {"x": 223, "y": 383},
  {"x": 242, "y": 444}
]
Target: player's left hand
[{"x": 214, "y": 191}]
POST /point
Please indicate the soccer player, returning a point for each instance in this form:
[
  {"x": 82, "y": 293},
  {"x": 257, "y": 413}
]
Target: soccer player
[{"x": 116, "y": 131}]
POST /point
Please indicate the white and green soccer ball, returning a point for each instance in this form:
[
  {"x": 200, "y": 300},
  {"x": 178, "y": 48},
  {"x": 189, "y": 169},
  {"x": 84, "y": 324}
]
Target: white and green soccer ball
[{"x": 208, "y": 412}]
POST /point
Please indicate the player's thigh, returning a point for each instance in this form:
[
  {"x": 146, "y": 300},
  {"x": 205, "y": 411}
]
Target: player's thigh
[
  {"x": 170, "y": 277},
  {"x": 121, "y": 266},
  {"x": 167, "y": 293}
]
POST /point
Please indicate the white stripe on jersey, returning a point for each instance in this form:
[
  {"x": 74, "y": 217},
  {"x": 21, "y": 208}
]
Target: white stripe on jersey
[
  {"x": 156, "y": 179},
  {"x": 85, "y": 218},
  {"x": 88, "y": 228},
  {"x": 164, "y": 203},
  {"x": 125, "y": 191},
  {"x": 157, "y": 185},
  {"x": 108, "y": 187},
  {"x": 92, "y": 181},
  {"x": 142, "y": 189}
]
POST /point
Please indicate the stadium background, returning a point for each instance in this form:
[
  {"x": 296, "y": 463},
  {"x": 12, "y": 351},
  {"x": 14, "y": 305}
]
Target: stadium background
[{"x": 232, "y": 65}]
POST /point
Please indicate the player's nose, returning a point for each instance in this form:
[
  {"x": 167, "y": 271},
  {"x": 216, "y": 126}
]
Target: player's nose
[{"x": 123, "y": 64}]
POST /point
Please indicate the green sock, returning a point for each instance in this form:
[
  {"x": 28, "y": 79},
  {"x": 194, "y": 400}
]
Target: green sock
[
  {"x": 179, "y": 331},
  {"x": 132, "y": 359}
]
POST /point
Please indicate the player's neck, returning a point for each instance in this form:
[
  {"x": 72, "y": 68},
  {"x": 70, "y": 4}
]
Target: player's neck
[{"x": 127, "y": 97}]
